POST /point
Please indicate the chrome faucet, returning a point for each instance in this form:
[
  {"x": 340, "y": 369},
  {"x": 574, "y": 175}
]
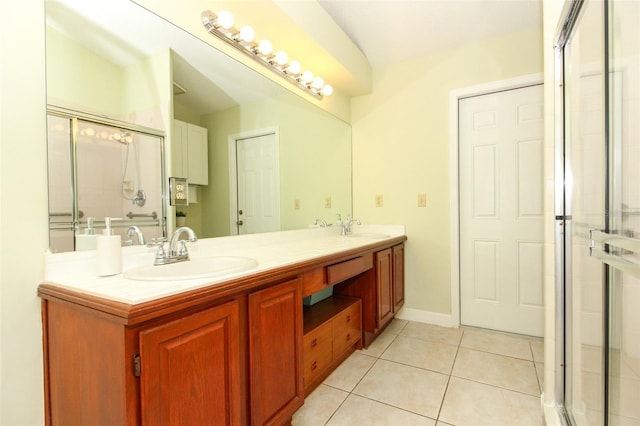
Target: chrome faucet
[
  {"x": 322, "y": 223},
  {"x": 346, "y": 225},
  {"x": 133, "y": 229},
  {"x": 173, "y": 254}
]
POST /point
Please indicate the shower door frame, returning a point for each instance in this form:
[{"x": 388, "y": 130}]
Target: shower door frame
[{"x": 73, "y": 116}]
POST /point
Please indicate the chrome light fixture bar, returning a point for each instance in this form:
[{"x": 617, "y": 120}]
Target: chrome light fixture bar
[{"x": 221, "y": 26}]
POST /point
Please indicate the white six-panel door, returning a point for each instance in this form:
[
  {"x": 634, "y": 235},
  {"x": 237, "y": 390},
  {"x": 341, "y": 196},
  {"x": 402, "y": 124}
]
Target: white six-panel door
[
  {"x": 501, "y": 210},
  {"x": 258, "y": 184}
]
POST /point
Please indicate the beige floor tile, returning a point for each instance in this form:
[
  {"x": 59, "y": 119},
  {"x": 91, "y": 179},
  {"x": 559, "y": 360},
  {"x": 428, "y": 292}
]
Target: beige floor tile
[
  {"x": 396, "y": 326},
  {"x": 422, "y": 354},
  {"x": 540, "y": 374},
  {"x": 497, "y": 343},
  {"x": 433, "y": 333},
  {"x": 350, "y": 372},
  {"x": 357, "y": 410},
  {"x": 506, "y": 372},
  {"x": 475, "y": 404},
  {"x": 537, "y": 347},
  {"x": 379, "y": 345},
  {"x": 319, "y": 406},
  {"x": 412, "y": 389}
]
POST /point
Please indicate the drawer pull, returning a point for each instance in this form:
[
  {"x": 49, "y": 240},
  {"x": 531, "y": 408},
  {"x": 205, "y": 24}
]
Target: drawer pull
[
  {"x": 349, "y": 318},
  {"x": 348, "y": 337},
  {"x": 314, "y": 365},
  {"x": 314, "y": 343}
]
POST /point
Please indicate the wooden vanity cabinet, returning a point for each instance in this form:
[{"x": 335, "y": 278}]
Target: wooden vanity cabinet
[
  {"x": 398, "y": 277},
  {"x": 275, "y": 353},
  {"x": 332, "y": 332},
  {"x": 381, "y": 290},
  {"x": 191, "y": 373}
]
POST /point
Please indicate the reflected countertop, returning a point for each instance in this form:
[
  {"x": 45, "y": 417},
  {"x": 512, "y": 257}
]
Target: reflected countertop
[{"x": 76, "y": 270}]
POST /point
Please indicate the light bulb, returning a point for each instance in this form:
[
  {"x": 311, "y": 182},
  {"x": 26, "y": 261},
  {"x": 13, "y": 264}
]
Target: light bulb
[
  {"x": 247, "y": 34},
  {"x": 327, "y": 90},
  {"x": 306, "y": 77},
  {"x": 90, "y": 131},
  {"x": 294, "y": 67},
  {"x": 318, "y": 82},
  {"x": 225, "y": 19},
  {"x": 265, "y": 47},
  {"x": 281, "y": 57}
]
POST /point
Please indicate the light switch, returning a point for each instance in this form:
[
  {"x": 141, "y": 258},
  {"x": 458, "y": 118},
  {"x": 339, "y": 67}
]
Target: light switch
[
  {"x": 379, "y": 201},
  {"x": 327, "y": 202},
  {"x": 296, "y": 204},
  {"x": 422, "y": 200}
]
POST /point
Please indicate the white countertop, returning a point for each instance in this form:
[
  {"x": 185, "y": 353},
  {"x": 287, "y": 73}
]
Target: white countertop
[{"x": 76, "y": 270}]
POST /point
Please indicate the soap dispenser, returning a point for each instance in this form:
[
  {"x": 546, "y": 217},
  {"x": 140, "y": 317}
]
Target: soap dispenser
[
  {"x": 108, "y": 251},
  {"x": 86, "y": 241}
]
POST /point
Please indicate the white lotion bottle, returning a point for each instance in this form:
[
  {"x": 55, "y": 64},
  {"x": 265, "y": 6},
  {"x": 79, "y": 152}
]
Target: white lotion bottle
[{"x": 108, "y": 251}]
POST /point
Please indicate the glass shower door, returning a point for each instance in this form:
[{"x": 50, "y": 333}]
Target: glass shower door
[
  {"x": 622, "y": 252},
  {"x": 602, "y": 214},
  {"x": 585, "y": 177}
]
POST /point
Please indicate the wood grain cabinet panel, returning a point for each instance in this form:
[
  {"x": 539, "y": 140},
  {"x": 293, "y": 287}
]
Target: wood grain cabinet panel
[
  {"x": 275, "y": 353},
  {"x": 347, "y": 329},
  {"x": 317, "y": 350},
  {"x": 398, "y": 276},
  {"x": 191, "y": 370},
  {"x": 384, "y": 284}
]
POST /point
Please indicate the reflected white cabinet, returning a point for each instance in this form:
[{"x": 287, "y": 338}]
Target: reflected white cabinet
[{"x": 189, "y": 152}]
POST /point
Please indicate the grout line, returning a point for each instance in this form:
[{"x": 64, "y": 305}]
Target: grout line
[{"x": 446, "y": 388}]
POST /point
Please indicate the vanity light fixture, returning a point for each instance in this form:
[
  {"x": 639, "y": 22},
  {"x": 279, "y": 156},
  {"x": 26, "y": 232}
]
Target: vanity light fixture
[{"x": 221, "y": 26}]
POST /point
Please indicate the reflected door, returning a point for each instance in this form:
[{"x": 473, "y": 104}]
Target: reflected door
[{"x": 258, "y": 184}]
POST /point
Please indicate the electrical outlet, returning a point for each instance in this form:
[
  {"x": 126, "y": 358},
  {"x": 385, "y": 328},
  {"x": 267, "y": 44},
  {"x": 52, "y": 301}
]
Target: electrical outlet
[
  {"x": 296, "y": 204},
  {"x": 327, "y": 202},
  {"x": 379, "y": 201},
  {"x": 422, "y": 200}
]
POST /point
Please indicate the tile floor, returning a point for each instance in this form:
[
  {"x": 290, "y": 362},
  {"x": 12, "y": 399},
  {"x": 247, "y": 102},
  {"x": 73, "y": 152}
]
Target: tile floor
[{"x": 420, "y": 374}]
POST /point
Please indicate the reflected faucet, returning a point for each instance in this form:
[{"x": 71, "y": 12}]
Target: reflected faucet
[
  {"x": 173, "y": 254},
  {"x": 322, "y": 223},
  {"x": 133, "y": 229},
  {"x": 346, "y": 225}
]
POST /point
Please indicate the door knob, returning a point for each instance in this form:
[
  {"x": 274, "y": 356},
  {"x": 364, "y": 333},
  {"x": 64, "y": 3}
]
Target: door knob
[
  {"x": 239, "y": 223},
  {"x": 239, "y": 211}
]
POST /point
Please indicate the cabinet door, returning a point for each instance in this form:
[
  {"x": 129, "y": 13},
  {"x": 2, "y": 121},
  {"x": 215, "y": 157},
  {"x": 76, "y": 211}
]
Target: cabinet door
[
  {"x": 197, "y": 155},
  {"x": 384, "y": 283},
  {"x": 275, "y": 353},
  {"x": 190, "y": 370},
  {"x": 398, "y": 277}
]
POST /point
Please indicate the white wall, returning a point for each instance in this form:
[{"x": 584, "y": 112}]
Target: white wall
[
  {"x": 401, "y": 149},
  {"x": 23, "y": 212}
]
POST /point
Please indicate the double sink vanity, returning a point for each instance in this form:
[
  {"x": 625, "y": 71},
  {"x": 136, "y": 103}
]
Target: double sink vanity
[{"x": 233, "y": 336}]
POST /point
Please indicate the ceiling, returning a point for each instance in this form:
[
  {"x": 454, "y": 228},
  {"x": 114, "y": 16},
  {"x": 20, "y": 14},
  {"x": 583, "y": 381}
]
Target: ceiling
[{"x": 390, "y": 31}]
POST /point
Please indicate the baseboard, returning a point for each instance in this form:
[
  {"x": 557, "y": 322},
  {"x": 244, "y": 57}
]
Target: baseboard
[{"x": 418, "y": 315}]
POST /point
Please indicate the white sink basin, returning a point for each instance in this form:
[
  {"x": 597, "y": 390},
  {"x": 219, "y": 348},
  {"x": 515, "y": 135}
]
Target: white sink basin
[
  {"x": 370, "y": 235},
  {"x": 202, "y": 267}
]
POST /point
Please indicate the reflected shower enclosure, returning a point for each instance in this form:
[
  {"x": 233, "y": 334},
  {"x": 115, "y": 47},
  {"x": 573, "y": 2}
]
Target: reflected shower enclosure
[{"x": 101, "y": 169}]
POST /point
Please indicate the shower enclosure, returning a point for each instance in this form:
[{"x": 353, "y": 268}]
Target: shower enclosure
[
  {"x": 598, "y": 217},
  {"x": 102, "y": 168}
]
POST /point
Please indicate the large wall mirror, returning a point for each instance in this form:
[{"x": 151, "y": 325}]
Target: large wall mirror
[{"x": 270, "y": 155}]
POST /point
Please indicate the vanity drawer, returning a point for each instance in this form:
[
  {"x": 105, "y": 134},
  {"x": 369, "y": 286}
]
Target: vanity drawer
[
  {"x": 317, "y": 346},
  {"x": 346, "y": 328},
  {"x": 349, "y": 268},
  {"x": 313, "y": 282}
]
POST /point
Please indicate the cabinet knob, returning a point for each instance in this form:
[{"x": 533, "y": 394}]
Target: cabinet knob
[
  {"x": 348, "y": 318},
  {"x": 314, "y": 365},
  {"x": 314, "y": 343},
  {"x": 348, "y": 337}
]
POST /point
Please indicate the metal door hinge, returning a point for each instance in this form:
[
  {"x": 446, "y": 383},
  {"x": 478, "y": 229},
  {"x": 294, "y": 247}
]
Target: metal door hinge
[{"x": 137, "y": 367}]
